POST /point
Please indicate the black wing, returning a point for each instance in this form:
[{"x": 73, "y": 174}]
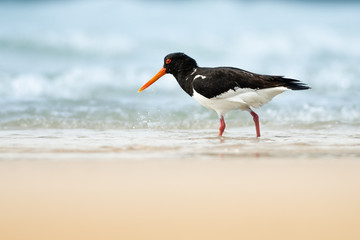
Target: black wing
[{"x": 222, "y": 79}]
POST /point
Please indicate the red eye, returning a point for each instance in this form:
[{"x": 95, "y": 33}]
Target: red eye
[{"x": 168, "y": 61}]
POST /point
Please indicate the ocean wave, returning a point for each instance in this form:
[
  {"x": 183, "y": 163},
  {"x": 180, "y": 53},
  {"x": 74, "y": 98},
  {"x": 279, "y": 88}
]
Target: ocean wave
[
  {"x": 79, "y": 64},
  {"x": 164, "y": 113},
  {"x": 72, "y": 44},
  {"x": 76, "y": 83}
]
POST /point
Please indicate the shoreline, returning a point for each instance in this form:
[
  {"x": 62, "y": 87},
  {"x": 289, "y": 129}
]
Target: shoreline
[
  {"x": 137, "y": 144},
  {"x": 156, "y": 184}
]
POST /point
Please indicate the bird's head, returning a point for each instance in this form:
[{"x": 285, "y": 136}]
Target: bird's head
[{"x": 174, "y": 63}]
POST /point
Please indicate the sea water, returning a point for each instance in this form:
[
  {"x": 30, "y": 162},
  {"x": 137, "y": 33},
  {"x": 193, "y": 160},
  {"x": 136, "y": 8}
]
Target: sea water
[{"x": 79, "y": 64}]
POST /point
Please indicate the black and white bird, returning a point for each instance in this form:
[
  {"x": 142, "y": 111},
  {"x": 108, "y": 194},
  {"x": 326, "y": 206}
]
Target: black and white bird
[{"x": 224, "y": 88}]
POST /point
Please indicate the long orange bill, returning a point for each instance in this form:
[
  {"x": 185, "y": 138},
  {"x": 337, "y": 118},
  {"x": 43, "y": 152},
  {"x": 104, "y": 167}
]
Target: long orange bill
[{"x": 161, "y": 73}]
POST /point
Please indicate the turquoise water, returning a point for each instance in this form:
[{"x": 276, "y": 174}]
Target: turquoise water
[{"x": 79, "y": 64}]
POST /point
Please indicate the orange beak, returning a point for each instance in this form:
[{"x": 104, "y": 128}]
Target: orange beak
[{"x": 161, "y": 73}]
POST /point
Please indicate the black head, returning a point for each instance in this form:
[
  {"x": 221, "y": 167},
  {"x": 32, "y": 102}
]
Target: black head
[{"x": 176, "y": 63}]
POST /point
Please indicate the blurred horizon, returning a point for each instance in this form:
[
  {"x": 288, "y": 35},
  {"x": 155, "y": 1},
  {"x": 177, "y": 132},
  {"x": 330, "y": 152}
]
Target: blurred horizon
[{"x": 339, "y": 1}]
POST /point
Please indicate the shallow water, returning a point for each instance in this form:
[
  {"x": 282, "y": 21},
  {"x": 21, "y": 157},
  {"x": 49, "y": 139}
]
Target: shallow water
[{"x": 188, "y": 144}]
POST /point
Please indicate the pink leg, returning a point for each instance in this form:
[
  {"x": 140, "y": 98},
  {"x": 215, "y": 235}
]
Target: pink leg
[
  {"x": 256, "y": 120},
  {"x": 222, "y": 126}
]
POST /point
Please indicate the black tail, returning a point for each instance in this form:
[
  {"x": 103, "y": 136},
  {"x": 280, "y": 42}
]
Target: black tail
[{"x": 294, "y": 84}]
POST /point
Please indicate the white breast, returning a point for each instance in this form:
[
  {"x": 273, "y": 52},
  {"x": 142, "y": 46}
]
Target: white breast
[{"x": 241, "y": 98}]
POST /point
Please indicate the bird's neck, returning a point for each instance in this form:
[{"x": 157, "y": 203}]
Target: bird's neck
[{"x": 185, "y": 79}]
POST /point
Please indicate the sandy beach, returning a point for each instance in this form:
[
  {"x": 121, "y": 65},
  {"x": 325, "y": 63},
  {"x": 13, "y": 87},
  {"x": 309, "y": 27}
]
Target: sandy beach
[{"x": 82, "y": 184}]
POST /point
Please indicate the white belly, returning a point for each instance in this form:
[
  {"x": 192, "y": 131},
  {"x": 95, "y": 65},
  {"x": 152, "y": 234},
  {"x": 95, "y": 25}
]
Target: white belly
[{"x": 242, "y": 99}]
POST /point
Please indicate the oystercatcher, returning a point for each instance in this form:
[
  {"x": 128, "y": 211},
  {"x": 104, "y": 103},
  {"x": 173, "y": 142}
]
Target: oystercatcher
[{"x": 224, "y": 88}]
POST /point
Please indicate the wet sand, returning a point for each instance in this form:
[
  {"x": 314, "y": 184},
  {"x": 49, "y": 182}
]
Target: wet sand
[{"x": 95, "y": 185}]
